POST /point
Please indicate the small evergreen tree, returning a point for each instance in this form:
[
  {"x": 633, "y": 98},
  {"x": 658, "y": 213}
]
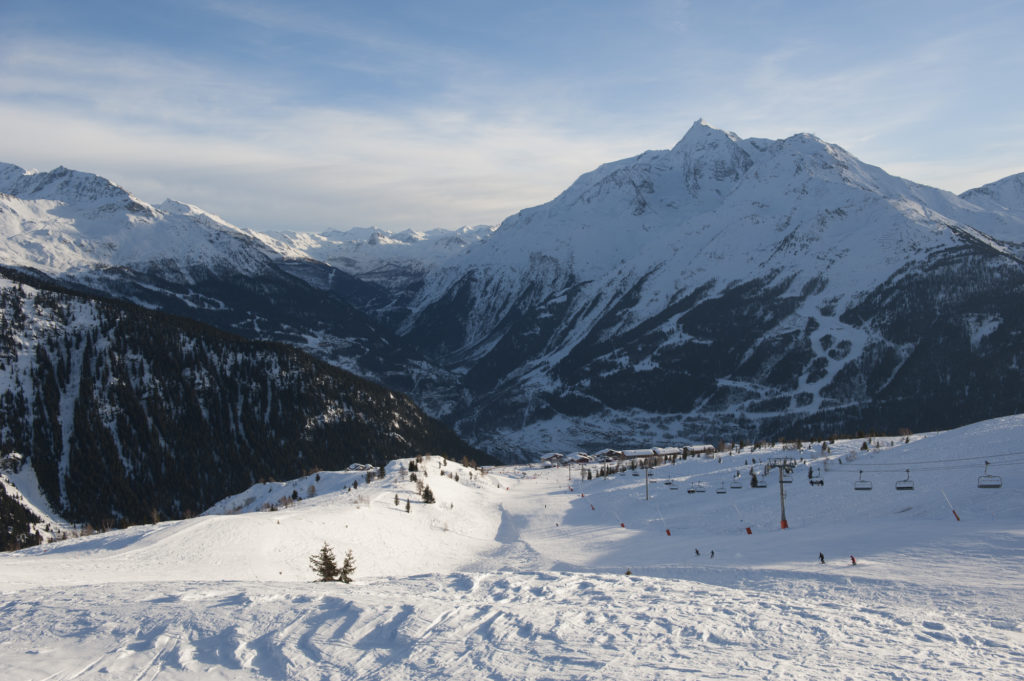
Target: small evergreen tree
[
  {"x": 396, "y": 498},
  {"x": 408, "y": 506},
  {"x": 427, "y": 495},
  {"x": 324, "y": 564},
  {"x": 347, "y": 568}
]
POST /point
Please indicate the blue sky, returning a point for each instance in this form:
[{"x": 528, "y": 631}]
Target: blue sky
[{"x": 317, "y": 115}]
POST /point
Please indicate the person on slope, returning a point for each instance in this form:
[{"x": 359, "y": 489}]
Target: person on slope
[
  {"x": 853, "y": 561},
  {"x": 821, "y": 557}
]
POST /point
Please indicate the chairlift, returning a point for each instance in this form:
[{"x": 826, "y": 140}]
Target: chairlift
[
  {"x": 761, "y": 482},
  {"x": 787, "y": 478},
  {"x": 862, "y": 484},
  {"x": 736, "y": 484},
  {"x": 696, "y": 487},
  {"x": 905, "y": 485},
  {"x": 721, "y": 488},
  {"x": 987, "y": 481}
]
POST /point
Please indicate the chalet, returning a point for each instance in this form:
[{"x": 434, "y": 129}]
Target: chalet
[
  {"x": 361, "y": 467},
  {"x": 609, "y": 455},
  {"x": 552, "y": 459},
  {"x": 692, "y": 450}
]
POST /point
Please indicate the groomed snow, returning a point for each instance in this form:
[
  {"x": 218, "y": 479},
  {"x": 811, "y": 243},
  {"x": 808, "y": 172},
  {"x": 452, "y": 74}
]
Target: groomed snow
[{"x": 513, "y": 575}]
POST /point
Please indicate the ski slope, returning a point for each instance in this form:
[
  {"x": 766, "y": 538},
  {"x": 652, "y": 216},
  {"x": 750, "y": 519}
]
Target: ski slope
[{"x": 521, "y": 573}]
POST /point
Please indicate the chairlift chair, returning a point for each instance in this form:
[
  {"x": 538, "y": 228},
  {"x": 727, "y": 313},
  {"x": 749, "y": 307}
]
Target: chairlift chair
[
  {"x": 862, "y": 484},
  {"x": 987, "y": 481},
  {"x": 905, "y": 485},
  {"x": 721, "y": 489},
  {"x": 736, "y": 484},
  {"x": 696, "y": 487}
]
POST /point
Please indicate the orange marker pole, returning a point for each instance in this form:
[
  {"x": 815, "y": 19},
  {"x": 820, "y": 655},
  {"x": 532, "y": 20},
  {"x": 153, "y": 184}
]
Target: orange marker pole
[{"x": 950, "y": 505}]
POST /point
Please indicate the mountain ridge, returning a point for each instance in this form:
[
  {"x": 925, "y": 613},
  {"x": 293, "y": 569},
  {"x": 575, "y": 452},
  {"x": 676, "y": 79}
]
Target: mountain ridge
[{"x": 718, "y": 287}]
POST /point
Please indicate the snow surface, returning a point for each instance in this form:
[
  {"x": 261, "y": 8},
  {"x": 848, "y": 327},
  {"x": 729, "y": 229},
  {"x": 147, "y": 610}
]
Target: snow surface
[
  {"x": 65, "y": 220},
  {"x": 520, "y": 573}
]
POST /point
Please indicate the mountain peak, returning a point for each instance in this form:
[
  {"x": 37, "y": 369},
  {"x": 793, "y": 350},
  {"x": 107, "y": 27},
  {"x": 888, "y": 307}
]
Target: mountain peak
[
  {"x": 1006, "y": 194},
  {"x": 61, "y": 184},
  {"x": 702, "y": 136}
]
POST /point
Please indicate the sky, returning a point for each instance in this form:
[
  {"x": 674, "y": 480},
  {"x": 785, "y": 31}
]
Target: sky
[{"x": 310, "y": 116}]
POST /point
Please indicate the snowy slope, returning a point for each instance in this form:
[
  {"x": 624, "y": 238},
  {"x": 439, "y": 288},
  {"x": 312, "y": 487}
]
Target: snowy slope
[
  {"x": 515, "y": 575},
  {"x": 723, "y": 287},
  {"x": 66, "y": 220},
  {"x": 88, "y": 233},
  {"x": 387, "y": 258},
  {"x": 724, "y": 281},
  {"x": 1005, "y": 199}
]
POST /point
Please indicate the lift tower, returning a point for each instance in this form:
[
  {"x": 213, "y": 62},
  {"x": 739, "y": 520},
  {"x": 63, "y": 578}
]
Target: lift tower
[{"x": 785, "y": 466}]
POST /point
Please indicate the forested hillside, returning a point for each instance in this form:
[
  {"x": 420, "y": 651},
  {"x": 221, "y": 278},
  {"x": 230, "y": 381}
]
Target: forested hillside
[{"x": 126, "y": 414}]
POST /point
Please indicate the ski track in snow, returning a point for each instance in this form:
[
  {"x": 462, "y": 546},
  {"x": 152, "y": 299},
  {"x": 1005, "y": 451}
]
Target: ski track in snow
[
  {"x": 513, "y": 575},
  {"x": 502, "y": 626}
]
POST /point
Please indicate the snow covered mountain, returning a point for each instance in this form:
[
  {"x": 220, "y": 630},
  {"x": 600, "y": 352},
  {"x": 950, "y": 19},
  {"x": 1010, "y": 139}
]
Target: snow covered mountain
[
  {"x": 732, "y": 287},
  {"x": 90, "y": 234},
  {"x": 394, "y": 264},
  {"x": 726, "y": 287},
  {"x": 392, "y": 260}
]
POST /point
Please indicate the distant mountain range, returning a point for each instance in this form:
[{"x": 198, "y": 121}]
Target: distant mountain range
[{"x": 725, "y": 288}]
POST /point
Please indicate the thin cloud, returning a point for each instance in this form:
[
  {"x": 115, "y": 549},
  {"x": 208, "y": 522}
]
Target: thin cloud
[{"x": 328, "y": 119}]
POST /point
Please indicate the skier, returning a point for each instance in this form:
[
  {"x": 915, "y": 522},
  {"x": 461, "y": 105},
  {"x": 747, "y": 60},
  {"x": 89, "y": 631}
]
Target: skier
[
  {"x": 697, "y": 551},
  {"x": 712, "y": 553},
  {"x": 853, "y": 561},
  {"x": 821, "y": 557}
]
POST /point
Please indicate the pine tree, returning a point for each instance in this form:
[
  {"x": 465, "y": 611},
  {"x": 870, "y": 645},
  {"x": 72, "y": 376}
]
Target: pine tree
[
  {"x": 347, "y": 568},
  {"x": 324, "y": 564},
  {"x": 396, "y": 498},
  {"x": 427, "y": 495},
  {"x": 408, "y": 506}
]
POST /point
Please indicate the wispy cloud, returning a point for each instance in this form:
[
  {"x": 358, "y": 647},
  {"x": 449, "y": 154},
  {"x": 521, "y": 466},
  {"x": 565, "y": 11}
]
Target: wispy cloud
[{"x": 295, "y": 116}]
